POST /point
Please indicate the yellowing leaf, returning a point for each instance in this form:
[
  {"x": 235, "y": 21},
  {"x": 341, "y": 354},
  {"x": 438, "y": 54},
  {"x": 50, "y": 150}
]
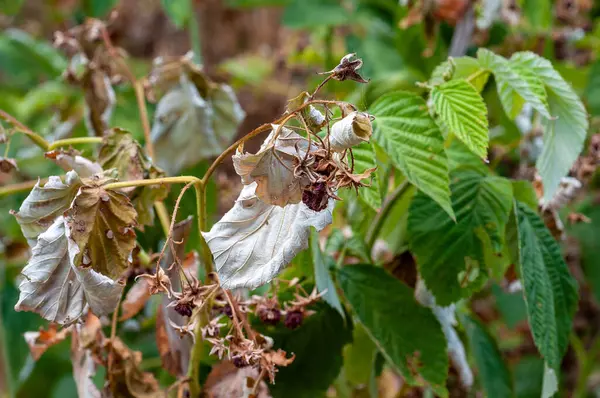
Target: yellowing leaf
[
  {"x": 100, "y": 223},
  {"x": 254, "y": 241}
]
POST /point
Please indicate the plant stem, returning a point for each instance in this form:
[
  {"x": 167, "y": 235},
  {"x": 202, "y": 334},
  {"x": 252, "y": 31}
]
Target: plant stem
[
  {"x": 20, "y": 187},
  {"x": 587, "y": 363},
  {"x": 477, "y": 74},
  {"x": 153, "y": 181},
  {"x": 74, "y": 141},
  {"x": 21, "y": 128},
  {"x": 381, "y": 217},
  {"x": 163, "y": 216},
  {"x": 202, "y": 221},
  {"x": 194, "y": 31}
]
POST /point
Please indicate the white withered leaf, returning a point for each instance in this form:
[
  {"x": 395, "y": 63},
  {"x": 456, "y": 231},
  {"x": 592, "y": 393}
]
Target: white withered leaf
[
  {"x": 254, "y": 241},
  {"x": 56, "y": 289},
  {"x": 272, "y": 167},
  {"x": 351, "y": 130}
]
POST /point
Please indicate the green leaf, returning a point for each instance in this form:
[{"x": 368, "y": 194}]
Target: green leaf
[
  {"x": 179, "y": 11},
  {"x": 564, "y": 136},
  {"x": 492, "y": 370},
  {"x": 355, "y": 245},
  {"x": 364, "y": 158},
  {"x": 592, "y": 90},
  {"x": 515, "y": 83},
  {"x": 450, "y": 254},
  {"x": 550, "y": 290},
  {"x": 461, "y": 108},
  {"x": 550, "y": 383},
  {"x": 322, "y": 277},
  {"x": 588, "y": 235},
  {"x": 467, "y": 68},
  {"x": 414, "y": 143},
  {"x": 303, "y": 14},
  {"x": 408, "y": 335},
  {"x": 359, "y": 357},
  {"x": 321, "y": 338}
]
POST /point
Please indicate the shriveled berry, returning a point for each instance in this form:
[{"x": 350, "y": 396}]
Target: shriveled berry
[
  {"x": 293, "y": 319},
  {"x": 184, "y": 309},
  {"x": 226, "y": 310},
  {"x": 269, "y": 315},
  {"x": 315, "y": 197},
  {"x": 239, "y": 362}
]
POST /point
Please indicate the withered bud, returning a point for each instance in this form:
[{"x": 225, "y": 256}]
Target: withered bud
[
  {"x": 268, "y": 312},
  {"x": 347, "y": 69},
  {"x": 7, "y": 165},
  {"x": 350, "y": 131}
]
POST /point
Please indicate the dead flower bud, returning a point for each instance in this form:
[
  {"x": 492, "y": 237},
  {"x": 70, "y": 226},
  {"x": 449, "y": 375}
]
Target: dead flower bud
[
  {"x": 350, "y": 131},
  {"x": 184, "y": 330},
  {"x": 576, "y": 218},
  {"x": 316, "y": 197},
  {"x": 7, "y": 165},
  {"x": 218, "y": 347},
  {"x": 268, "y": 311},
  {"x": 159, "y": 282},
  {"x": 271, "y": 359},
  {"x": 212, "y": 329},
  {"x": 347, "y": 69}
]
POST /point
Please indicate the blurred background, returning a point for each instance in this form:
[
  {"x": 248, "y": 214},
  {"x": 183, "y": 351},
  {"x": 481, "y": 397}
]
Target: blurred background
[{"x": 269, "y": 51}]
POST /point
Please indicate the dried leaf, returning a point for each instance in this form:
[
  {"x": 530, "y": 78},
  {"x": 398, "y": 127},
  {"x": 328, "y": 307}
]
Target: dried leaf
[
  {"x": 100, "y": 223},
  {"x": 174, "y": 351},
  {"x": 41, "y": 340},
  {"x": 71, "y": 160},
  {"x": 350, "y": 131},
  {"x": 123, "y": 153},
  {"x": 225, "y": 381},
  {"x": 272, "y": 167},
  {"x": 135, "y": 299},
  {"x": 84, "y": 366},
  {"x": 56, "y": 289},
  {"x": 7, "y": 165},
  {"x": 126, "y": 378},
  {"x": 196, "y": 119},
  {"x": 254, "y": 241},
  {"x": 312, "y": 116},
  {"x": 45, "y": 203},
  {"x": 100, "y": 101}
]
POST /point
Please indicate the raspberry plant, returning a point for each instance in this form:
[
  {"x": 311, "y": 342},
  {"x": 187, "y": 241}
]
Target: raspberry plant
[{"x": 243, "y": 296}]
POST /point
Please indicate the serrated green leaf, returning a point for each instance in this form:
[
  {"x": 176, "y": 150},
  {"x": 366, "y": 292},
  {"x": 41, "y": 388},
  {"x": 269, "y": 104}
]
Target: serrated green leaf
[
  {"x": 359, "y": 357},
  {"x": 460, "y": 108},
  {"x": 414, "y": 143},
  {"x": 450, "y": 254},
  {"x": 364, "y": 158},
  {"x": 408, "y": 335},
  {"x": 322, "y": 336},
  {"x": 467, "y": 68},
  {"x": 550, "y": 290},
  {"x": 323, "y": 279},
  {"x": 460, "y": 156},
  {"x": 492, "y": 370},
  {"x": 516, "y": 84},
  {"x": 565, "y": 135}
]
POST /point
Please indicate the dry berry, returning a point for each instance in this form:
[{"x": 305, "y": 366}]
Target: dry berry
[
  {"x": 293, "y": 319},
  {"x": 184, "y": 308},
  {"x": 315, "y": 196},
  {"x": 268, "y": 313},
  {"x": 239, "y": 362},
  {"x": 226, "y": 310}
]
